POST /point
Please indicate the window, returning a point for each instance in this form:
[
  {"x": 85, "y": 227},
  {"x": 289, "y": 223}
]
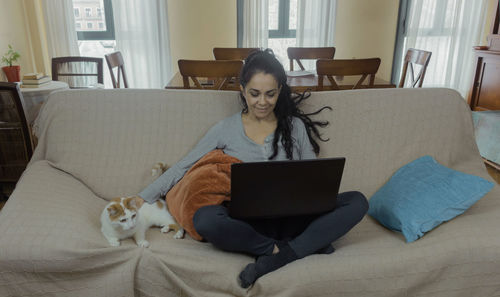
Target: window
[
  {"x": 282, "y": 22},
  {"x": 282, "y": 27},
  {"x": 77, "y": 12},
  {"x": 448, "y": 29},
  {"x": 88, "y": 12},
  {"x": 104, "y": 16},
  {"x": 282, "y": 18},
  {"x": 96, "y": 36}
]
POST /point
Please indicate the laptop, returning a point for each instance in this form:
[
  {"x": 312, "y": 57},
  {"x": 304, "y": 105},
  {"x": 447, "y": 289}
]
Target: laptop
[{"x": 284, "y": 188}]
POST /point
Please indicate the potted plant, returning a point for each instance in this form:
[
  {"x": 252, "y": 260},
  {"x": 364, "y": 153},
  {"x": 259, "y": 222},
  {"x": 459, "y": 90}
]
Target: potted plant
[{"x": 13, "y": 73}]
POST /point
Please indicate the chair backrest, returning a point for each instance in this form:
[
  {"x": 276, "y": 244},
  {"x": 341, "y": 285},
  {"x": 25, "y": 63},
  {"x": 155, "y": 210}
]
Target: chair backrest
[
  {"x": 233, "y": 53},
  {"x": 16, "y": 144},
  {"x": 78, "y": 72},
  {"x": 330, "y": 68},
  {"x": 115, "y": 60},
  {"x": 308, "y": 53},
  {"x": 220, "y": 75},
  {"x": 415, "y": 57}
]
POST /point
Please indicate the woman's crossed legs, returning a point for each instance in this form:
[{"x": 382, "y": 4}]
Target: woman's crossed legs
[{"x": 215, "y": 225}]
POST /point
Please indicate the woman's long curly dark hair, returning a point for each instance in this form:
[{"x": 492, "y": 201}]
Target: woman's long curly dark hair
[{"x": 287, "y": 105}]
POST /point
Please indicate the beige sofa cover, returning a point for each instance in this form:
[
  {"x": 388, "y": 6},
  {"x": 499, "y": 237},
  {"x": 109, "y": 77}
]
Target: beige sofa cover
[{"x": 98, "y": 144}]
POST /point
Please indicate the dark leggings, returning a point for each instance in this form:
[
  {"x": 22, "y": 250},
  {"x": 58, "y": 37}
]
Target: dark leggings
[{"x": 305, "y": 234}]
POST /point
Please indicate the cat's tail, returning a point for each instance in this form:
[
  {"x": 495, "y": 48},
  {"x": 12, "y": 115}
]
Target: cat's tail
[{"x": 174, "y": 227}]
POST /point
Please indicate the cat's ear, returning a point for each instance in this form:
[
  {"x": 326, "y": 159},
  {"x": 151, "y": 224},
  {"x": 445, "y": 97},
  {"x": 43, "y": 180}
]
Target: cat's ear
[
  {"x": 134, "y": 202},
  {"x": 113, "y": 210},
  {"x": 138, "y": 201},
  {"x": 116, "y": 199}
]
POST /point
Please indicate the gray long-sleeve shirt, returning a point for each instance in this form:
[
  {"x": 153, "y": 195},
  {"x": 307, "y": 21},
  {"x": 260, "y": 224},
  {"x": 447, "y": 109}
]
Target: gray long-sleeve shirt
[{"x": 229, "y": 135}]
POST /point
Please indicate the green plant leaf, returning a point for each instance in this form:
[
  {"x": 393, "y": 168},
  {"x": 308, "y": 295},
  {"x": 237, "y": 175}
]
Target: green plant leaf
[{"x": 10, "y": 56}]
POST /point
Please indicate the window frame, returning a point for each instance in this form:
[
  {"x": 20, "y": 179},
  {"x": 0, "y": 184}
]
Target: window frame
[
  {"x": 109, "y": 34},
  {"x": 284, "y": 30},
  {"x": 239, "y": 23},
  {"x": 279, "y": 33},
  {"x": 403, "y": 22}
]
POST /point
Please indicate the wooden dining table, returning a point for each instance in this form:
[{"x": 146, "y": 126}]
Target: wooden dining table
[{"x": 303, "y": 83}]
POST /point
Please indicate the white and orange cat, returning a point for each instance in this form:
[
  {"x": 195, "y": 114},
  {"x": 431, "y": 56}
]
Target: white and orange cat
[{"x": 126, "y": 217}]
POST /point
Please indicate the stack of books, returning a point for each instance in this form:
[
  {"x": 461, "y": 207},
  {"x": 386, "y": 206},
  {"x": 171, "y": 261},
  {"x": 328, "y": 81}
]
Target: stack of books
[{"x": 35, "y": 80}]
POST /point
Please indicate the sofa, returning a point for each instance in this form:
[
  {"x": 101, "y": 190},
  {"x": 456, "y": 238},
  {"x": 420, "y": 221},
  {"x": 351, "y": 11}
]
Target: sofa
[{"x": 94, "y": 145}]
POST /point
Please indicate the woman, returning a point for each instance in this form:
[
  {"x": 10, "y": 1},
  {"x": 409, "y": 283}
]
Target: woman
[{"x": 270, "y": 127}]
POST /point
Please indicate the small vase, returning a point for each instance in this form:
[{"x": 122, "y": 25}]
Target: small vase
[{"x": 13, "y": 73}]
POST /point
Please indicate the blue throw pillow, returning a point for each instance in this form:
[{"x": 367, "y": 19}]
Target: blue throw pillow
[{"x": 423, "y": 194}]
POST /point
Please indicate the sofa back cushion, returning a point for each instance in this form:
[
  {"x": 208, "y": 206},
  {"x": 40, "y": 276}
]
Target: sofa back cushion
[
  {"x": 110, "y": 139},
  {"x": 380, "y": 130}
]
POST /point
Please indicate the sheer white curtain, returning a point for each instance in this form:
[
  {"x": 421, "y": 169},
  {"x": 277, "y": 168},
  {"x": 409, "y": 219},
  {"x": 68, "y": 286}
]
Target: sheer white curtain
[
  {"x": 141, "y": 33},
  {"x": 316, "y": 23},
  {"x": 60, "y": 28},
  {"x": 255, "y": 23},
  {"x": 449, "y": 29}
]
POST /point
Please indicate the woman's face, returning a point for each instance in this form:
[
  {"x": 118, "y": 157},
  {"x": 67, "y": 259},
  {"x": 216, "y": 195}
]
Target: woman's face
[{"x": 261, "y": 94}]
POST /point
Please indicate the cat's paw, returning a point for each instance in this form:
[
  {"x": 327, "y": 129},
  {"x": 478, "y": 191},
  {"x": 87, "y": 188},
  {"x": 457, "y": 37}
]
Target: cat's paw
[
  {"x": 167, "y": 228},
  {"x": 114, "y": 242},
  {"x": 179, "y": 234},
  {"x": 143, "y": 243}
]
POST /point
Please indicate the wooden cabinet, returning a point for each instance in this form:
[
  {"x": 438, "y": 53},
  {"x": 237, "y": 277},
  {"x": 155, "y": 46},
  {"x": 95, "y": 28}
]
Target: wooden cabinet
[
  {"x": 485, "y": 91},
  {"x": 16, "y": 146}
]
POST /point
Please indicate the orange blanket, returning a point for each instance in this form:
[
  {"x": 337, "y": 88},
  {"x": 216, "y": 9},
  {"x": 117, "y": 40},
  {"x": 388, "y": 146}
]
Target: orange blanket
[{"x": 207, "y": 182}]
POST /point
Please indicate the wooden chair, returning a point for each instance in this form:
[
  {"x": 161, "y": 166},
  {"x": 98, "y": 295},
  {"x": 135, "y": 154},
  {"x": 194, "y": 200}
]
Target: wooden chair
[
  {"x": 220, "y": 75},
  {"x": 16, "y": 143},
  {"x": 233, "y": 53},
  {"x": 115, "y": 60},
  {"x": 78, "y": 72},
  {"x": 311, "y": 53},
  {"x": 418, "y": 57},
  {"x": 341, "y": 68}
]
